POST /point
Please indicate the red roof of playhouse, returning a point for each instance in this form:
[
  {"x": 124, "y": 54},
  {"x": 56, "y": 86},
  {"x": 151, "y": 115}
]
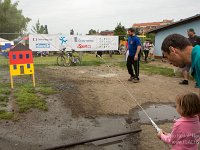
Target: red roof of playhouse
[{"x": 20, "y": 55}]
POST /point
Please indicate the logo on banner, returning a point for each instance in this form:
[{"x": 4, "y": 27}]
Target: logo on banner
[
  {"x": 34, "y": 39},
  {"x": 76, "y": 39},
  {"x": 63, "y": 40},
  {"x": 83, "y": 46},
  {"x": 42, "y": 45}
]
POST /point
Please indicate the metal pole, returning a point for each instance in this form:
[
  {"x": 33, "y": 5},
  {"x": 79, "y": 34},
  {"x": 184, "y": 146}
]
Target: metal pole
[
  {"x": 33, "y": 78},
  {"x": 11, "y": 81},
  {"x": 11, "y": 33},
  {"x": 93, "y": 140}
]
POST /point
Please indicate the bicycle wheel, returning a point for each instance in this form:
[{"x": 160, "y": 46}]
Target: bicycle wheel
[
  {"x": 61, "y": 60},
  {"x": 78, "y": 60},
  {"x": 75, "y": 61},
  {"x": 67, "y": 61}
]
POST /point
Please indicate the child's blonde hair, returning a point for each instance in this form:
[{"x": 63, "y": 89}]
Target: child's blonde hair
[{"x": 188, "y": 104}]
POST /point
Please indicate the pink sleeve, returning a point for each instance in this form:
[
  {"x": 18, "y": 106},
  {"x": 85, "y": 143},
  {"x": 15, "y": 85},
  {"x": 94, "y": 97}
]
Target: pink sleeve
[
  {"x": 171, "y": 137},
  {"x": 166, "y": 138}
]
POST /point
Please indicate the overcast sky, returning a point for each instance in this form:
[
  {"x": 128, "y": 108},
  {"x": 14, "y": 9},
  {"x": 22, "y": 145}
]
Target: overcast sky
[{"x": 83, "y": 15}]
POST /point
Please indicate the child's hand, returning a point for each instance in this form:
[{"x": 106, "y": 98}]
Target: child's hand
[
  {"x": 164, "y": 132},
  {"x": 159, "y": 134}
]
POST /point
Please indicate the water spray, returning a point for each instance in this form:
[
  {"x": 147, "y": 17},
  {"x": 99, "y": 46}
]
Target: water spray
[{"x": 131, "y": 95}]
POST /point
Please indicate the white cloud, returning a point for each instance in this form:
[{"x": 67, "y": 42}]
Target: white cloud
[{"x": 82, "y": 15}]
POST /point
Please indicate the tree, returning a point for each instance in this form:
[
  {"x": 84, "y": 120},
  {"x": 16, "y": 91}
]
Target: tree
[
  {"x": 137, "y": 31},
  {"x": 40, "y": 29},
  {"x": 92, "y": 32},
  {"x": 71, "y": 32},
  {"x": 12, "y": 20},
  {"x": 151, "y": 37},
  {"x": 46, "y": 29},
  {"x": 120, "y": 31}
]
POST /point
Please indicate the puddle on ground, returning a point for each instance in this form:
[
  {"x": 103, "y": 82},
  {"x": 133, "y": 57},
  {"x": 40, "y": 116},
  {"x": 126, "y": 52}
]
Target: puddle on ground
[
  {"x": 109, "y": 126},
  {"x": 158, "y": 113},
  {"x": 104, "y": 126},
  {"x": 81, "y": 129},
  {"x": 108, "y": 75}
]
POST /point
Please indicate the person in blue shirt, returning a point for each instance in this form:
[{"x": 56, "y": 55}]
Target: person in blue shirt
[
  {"x": 134, "y": 48},
  {"x": 180, "y": 52}
]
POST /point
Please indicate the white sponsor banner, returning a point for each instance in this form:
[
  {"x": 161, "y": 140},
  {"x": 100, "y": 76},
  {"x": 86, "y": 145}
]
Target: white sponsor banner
[
  {"x": 48, "y": 42},
  {"x": 95, "y": 43}
]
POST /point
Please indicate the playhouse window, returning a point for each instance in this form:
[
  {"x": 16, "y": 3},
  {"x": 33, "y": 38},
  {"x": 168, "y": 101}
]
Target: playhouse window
[
  {"x": 14, "y": 67},
  {"x": 28, "y": 66},
  {"x": 20, "y": 56},
  {"x": 27, "y": 56},
  {"x": 14, "y": 56}
]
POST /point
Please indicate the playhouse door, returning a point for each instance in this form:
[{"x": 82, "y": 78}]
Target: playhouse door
[{"x": 21, "y": 69}]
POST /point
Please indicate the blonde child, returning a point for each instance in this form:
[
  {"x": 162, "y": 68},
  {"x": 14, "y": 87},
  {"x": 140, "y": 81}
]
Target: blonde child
[{"x": 185, "y": 134}]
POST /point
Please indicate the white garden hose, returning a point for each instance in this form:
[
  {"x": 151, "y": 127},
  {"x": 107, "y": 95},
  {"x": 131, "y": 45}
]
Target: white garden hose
[{"x": 128, "y": 91}]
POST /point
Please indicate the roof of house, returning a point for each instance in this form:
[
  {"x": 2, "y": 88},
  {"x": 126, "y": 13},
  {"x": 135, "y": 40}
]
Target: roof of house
[
  {"x": 177, "y": 23},
  {"x": 106, "y": 31},
  {"x": 147, "y": 24}
]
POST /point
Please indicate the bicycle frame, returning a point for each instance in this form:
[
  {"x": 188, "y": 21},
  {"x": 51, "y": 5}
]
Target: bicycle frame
[{"x": 67, "y": 58}]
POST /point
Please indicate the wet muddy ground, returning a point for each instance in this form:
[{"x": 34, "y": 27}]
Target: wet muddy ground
[
  {"x": 92, "y": 103},
  {"x": 158, "y": 112}
]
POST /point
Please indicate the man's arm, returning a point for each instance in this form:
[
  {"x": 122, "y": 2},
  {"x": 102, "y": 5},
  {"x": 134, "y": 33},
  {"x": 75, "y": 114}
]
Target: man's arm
[
  {"x": 137, "y": 53},
  {"x": 199, "y": 92},
  {"x": 138, "y": 49},
  {"x": 199, "y": 96},
  {"x": 198, "y": 40}
]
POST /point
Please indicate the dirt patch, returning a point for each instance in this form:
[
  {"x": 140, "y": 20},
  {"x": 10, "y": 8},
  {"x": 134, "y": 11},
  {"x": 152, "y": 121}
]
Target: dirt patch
[
  {"x": 149, "y": 140},
  {"x": 86, "y": 94}
]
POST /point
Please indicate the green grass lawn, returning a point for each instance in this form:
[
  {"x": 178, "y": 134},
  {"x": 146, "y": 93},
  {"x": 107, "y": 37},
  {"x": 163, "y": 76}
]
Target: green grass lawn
[
  {"x": 6, "y": 115},
  {"x": 91, "y": 60},
  {"x": 3, "y": 61},
  {"x": 87, "y": 60},
  {"x": 26, "y": 96},
  {"x": 152, "y": 69},
  {"x": 4, "y": 89},
  {"x": 4, "y": 98}
]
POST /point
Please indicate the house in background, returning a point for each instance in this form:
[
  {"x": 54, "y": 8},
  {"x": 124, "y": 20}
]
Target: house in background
[
  {"x": 21, "y": 62},
  {"x": 145, "y": 27},
  {"x": 179, "y": 27},
  {"x": 107, "y": 32}
]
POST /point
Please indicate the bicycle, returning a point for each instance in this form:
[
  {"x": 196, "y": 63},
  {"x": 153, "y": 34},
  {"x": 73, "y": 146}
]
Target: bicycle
[{"x": 67, "y": 59}]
